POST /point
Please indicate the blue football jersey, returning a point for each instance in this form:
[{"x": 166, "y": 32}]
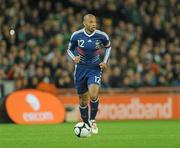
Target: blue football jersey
[{"x": 88, "y": 47}]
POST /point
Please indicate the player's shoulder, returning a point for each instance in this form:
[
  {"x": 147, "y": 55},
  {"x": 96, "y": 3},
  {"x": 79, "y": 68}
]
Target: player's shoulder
[
  {"x": 102, "y": 33},
  {"x": 76, "y": 33}
]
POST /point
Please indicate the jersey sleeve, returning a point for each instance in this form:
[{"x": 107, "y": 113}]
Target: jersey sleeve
[
  {"x": 107, "y": 44},
  {"x": 105, "y": 40},
  {"x": 72, "y": 46}
]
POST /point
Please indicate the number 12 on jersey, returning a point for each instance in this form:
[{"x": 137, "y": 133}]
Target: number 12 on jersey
[
  {"x": 81, "y": 43},
  {"x": 97, "y": 79}
]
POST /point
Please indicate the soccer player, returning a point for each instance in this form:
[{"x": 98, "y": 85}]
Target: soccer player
[{"x": 84, "y": 49}]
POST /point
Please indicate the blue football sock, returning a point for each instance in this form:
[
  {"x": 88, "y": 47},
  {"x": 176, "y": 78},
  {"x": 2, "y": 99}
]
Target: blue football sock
[
  {"x": 94, "y": 108},
  {"x": 84, "y": 114}
]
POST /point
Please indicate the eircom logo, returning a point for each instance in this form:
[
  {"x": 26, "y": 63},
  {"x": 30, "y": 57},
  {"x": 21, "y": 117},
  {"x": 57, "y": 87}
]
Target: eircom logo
[
  {"x": 34, "y": 107},
  {"x": 33, "y": 102}
]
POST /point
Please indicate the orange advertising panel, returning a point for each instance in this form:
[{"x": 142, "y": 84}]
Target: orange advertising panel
[
  {"x": 130, "y": 107},
  {"x": 34, "y": 107}
]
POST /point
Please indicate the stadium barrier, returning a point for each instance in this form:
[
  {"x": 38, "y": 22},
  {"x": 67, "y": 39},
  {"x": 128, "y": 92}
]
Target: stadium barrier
[
  {"x": 135, "y": 106},
  {"x": 32, "y": 106},
  {"x": 1, "y": 91}
]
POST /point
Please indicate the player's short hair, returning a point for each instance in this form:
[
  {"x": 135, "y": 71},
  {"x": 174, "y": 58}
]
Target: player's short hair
[{"x": 88, "y": 16}]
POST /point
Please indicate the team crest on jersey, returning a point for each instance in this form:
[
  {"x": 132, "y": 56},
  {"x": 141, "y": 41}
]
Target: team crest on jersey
[{"x": 97, "y": 44}]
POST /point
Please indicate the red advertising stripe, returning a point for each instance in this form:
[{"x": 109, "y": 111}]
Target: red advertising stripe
[{"x": 133, "y": 106}]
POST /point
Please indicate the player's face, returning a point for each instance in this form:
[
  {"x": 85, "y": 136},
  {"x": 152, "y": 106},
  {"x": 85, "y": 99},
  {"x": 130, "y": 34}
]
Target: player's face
[{"x": 90, "y": 24}]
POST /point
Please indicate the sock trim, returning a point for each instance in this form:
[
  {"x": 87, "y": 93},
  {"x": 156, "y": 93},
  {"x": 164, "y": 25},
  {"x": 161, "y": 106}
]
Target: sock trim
[
  {"x": 95, "y": 100},
  {"x": 82, "y": 107}
]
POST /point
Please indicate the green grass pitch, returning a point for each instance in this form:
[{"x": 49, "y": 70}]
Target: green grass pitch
[{"x": 122, "y": 134}]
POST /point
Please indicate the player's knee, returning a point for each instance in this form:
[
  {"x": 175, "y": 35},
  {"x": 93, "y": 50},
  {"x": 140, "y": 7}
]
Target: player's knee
[
  {"x": 83, "y": 100},
  {"x": 94, "y": 97},
  {"x": 93, "y": 91},
  {"x": 83, "y": 103}
]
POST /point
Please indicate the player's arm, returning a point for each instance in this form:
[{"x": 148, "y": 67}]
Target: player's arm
[
  {"x": 107, "y": 45},
  {"x": 71, "y": 47}
]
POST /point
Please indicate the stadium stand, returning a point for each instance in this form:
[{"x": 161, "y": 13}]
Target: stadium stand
[{"x": 145, "y": 41}]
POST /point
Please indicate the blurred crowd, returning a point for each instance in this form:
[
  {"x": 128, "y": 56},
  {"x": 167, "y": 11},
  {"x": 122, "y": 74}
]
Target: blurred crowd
[{"x": 145, "y": 36}]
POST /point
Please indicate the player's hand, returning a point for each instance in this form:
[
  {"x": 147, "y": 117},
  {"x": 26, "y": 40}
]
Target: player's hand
[
  {"x": 103, "y": 65},
  {"x": 77, "y": 59}
]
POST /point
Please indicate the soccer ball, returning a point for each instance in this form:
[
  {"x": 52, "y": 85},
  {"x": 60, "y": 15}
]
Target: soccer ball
[{"x": 81, "y": 129}]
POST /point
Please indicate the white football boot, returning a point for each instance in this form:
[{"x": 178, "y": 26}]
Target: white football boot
[{"x": 94, "y": 128}]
